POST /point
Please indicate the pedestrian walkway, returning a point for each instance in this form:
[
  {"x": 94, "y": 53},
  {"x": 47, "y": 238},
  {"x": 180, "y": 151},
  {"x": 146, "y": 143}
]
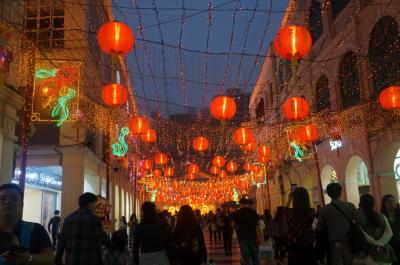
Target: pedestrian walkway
[{"x": 215, "y": 251}]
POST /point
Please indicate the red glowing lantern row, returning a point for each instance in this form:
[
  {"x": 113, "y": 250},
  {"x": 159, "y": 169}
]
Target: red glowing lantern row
[
  {"x": 218, "y": 161},
  {"x": 114, "y": 95},
  {"x": 264, "y": 151},
  {"x": 160, "y": 158},
  {"x": 247, "y": 166},
  {"x": 308, "y": 133},
  {"x": 139, "y": 125},
  {"x": 223, "y": 108},
  {"x": 243, "y": 136},
  {"x": 231, "y": 167},
  {"x": 296, "y": 108},
  {"x": 250, "y": 146},
  {"x": 156, "y": 173},
  {"x": 292, "y": 42},
  {"x": 147, "y": 164},
  {"x": 115, "y": 38},
  {"x": 223, "y": 174},
  {"x": 389, "y": 98},
  {"x": 149, "y": 136},
  {"x": 200, "y": 143},
  {"x": 169, "y": 172},
  {"x": 193, "y": 169}
]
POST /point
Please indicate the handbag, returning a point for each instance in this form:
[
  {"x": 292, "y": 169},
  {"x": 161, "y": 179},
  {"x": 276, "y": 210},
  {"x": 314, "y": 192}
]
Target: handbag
[{"x": 357, "y": 241}]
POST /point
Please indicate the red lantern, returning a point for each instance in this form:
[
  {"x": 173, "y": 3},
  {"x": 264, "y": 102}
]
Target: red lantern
[
  {"x": 389, "y": 98},
  {"x": 191, "y": 176},
  {"x": 193, "y": 169},
  {"x": 156, "y": 173},
  {"x": 200, "y": 143},
  {"x": 263, "y": 159},
  {"x": 114, "y": 95},
  {"x": 139, "y": 124},
  {"x": 308, "y": 133},
  {"x": 250, "y": 146},
  {"x": 231, "y": 167},
  {"x": 223, "y": 108},
  {"x": 292, "y": 42},
  {"x": 256, "y": 169},
  {"x": 218, "y": 161},
  {"x": 214, "y": 170},
  {"x": 149, "y": 136},
  {"x": 175, "y": 185},
  {"x": 264, "y": 151},
  {"x": 296, "y": 108},
  {"x": 147, "y": 164},
  {"x": 243, "y": 136},
  {"x": 169, "y": 172},
  {"x": 115, "y": 38},
  {"x": 223, "y": 174},
  {"x": 161, "y": 158},
  {"x": 247, "y": 166}
]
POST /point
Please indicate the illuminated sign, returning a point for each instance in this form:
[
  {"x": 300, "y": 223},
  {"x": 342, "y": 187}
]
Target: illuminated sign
[{"x": 335, "y": 144}]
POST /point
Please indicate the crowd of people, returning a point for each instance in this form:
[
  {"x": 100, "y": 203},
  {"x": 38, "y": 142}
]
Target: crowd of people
[{"x": 332, "y": 234}]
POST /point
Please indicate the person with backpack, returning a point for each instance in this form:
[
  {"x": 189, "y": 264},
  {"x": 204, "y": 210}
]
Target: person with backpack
[
  {"x": 392, "y": 214},
  {"x": 21, "y": 242},
  {"x": 278, "y": 234},
  {"x": 335, "y": 220},
  {"x": 190, "y": 246},
  {"x": 119, "y": 252},
  {"x": 377, "y": 232}
]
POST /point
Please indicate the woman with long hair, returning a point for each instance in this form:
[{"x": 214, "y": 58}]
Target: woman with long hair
[
  {"x": 132, "y": 225},
  {"x": 190, "y": 246},
  {"x": 227, "y": 231},
  {"x": 389, "y": 209},
  {"x": 299, "y": 220},
  {"x": 278, "y": 235},
  {"x": 377, "y": 232},
  {"x": 151, "y": 239}
]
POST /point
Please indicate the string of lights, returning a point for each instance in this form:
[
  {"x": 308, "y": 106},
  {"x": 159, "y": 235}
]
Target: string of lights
[
  {"x": 209, "y": 26},
  {"x": 180, "y": 53}
]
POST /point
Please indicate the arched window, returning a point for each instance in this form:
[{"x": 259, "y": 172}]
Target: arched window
[
  {"x": 349, "y": 81},
  {"x": 338, "y": 6},
  {"x": 384, "y": 54},
  {"x": 260, "y": 111},
  {"x": 323, "y": 95},
  {"x": 315, "y": 20}
]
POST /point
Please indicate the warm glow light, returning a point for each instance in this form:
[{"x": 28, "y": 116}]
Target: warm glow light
[
  {"x": 160, "y": 158},
  {"x": 139, "y": 124},
  {"x": 200, "y": 143},
  {"x": 218, "y": 161}
]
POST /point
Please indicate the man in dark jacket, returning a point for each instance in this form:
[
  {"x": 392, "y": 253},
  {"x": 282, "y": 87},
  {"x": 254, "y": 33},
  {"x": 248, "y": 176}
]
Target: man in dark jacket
[{"x": 53, "y": 226}]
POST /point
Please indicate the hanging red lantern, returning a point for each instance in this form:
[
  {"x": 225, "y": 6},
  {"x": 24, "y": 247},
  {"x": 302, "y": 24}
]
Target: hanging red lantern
[
  {"x": 147, "y": 164},
  {"x": 114, "y": 95},
  {"x": 292, "y": 42},
  {"x": 149, "y": 136},
  {"x": 193, "y": 169},
  {"x": 169, "y": 172},
  {"x": 156, "y": 173},
  {"x": 295, "y": 108},
  {"x": 139, "y": 124},
  {"x": 247, "y": 166},
  {"x": 249, "y": 147},
  {"x": 214, "y": 170},
  {"x": 223, "y": 174},
  {"x": 191, "y": 176},
  {"x": 243, "y": 136},
  {"x": 308, "y": 133},
  {"x": 115, "y": 38},
  {"x": 231, "y": 167},
  {"x": 223, "y": 108},
  {"x": 263, "y": 159},
  {"x": 175, "y": 185},
  {"x": 264, "y": 150},
  {"x": 218, "y": 161},
  {"x": 389, "y": 98},
  {"x": 256, "y": 169},
  {"x": 160, "y": 158},
  {"x": 200, "y": 143}
]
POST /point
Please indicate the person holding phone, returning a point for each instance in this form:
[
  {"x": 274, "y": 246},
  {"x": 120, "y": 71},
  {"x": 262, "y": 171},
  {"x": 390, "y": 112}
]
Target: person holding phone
[{"x": 21, "y": 242}]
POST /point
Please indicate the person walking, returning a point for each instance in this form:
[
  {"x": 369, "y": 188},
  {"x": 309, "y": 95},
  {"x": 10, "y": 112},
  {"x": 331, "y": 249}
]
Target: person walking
[
  {"x": 212, "y": 226},
  {"x": 151, "y": 240},
  {"x": 54, "y": 226},
  {"x": 267, "y": 218},
  {"x": 377, "y": 232},
  {"x": 218, "y": 216},
  {"x": 132, "y": 225},
  {"x": 333, "y": 220},
  {"x": 190, "y": 246},
  {"x": 123, "y": 225},
  {"x": 392, "y": 214},
  {"x": 245, "y": 221},
  {"x": 300, "y": 235},
  {"x": 21, "y": 242},
  {"x": 119, "y": 252},
  {"x": 227, "y": 231},
  {"x": 278, "y": 235},
  {"x": 82, "y": 236}
]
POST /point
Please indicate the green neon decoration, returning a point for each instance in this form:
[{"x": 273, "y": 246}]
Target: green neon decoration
[
  {"x": 265, "y": 175},
  {"x": 235, "y": 195},
  {"x": 43, "y": 73},
  {"x": 153, "y": 193},
  {"x": 62, "y": 106},
  {"x": 120, "y": 148},
  {"x": 298, "y": 154}
]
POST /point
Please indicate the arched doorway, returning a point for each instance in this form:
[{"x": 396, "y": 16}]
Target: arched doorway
[
  {"x": 357, "y": 179},
  {"x": 328, "y": 175}
]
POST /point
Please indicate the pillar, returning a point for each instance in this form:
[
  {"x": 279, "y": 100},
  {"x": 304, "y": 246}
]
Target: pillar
[
  {"x": 388, "y": 184},
  {"x": 10, "y": 102},
  {"x": 72, "y": 178}
]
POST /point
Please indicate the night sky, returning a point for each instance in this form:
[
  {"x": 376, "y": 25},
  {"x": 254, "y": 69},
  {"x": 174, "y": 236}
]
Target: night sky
[{"x": 159, "y": 83}]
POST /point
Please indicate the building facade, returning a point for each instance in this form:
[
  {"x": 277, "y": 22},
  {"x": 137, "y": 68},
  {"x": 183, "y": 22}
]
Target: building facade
[
  {"x": 64, "y": 159},
  {"x": 353, "y": 58}
]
